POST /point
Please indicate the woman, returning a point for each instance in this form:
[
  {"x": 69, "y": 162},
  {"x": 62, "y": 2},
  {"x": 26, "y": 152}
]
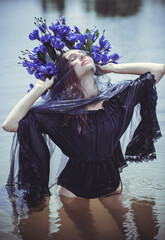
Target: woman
[{"x": 90, "y": 139}]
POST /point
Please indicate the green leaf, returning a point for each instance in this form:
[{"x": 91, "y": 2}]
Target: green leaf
[
  {"x": 97, "y": 35},
  {"x": 87, "y": 31},
  {"x": 68, "y": 44},
  {"x": 51, "y": 51},
  {"x": 41, "y": 57},
  {"x": 89, "y": 44}
]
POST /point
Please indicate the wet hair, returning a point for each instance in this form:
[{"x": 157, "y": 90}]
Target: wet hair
[{"x": 67, "y": 87}]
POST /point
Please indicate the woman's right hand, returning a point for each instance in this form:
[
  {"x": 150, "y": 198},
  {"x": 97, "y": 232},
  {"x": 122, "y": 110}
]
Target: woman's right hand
[
  {"x": 22, "y": 107},
  {"x": 45, "y": 85}
]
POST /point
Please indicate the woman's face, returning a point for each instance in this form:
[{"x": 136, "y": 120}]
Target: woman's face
[{"x": 82, "y": 63}]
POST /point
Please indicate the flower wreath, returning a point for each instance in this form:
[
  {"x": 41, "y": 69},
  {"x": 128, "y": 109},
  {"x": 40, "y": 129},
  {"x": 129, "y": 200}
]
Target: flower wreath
[{"x": 43, "y": 58}]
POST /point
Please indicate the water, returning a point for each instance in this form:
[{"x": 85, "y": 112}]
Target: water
[{"x": 136, "y": 31}]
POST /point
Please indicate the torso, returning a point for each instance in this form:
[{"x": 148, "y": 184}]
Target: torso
[{"x": 62, "y": 190}]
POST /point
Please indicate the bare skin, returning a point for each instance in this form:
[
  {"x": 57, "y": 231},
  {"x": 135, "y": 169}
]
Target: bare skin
[
  {"x": 65, "y": 192},
  {"x": 84, "y": 68}
]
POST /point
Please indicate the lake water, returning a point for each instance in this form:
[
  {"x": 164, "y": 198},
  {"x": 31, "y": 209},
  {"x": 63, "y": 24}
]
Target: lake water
[{"x": 136, "y": 31}]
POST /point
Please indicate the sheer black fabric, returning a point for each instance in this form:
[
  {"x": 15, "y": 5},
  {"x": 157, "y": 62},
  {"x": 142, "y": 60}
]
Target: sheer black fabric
[{"x": 94, "y": 160}]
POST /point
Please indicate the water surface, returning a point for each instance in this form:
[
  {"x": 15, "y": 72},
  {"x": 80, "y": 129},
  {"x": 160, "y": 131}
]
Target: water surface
[{"x": 136, "y": 31}]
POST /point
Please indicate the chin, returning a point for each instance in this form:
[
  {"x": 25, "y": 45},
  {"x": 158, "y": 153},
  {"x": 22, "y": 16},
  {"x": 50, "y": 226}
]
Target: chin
[{"x": 90, "y": 67}]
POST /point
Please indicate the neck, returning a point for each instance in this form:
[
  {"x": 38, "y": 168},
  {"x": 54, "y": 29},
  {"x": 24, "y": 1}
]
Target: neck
[{"x": 89, "y": 87}]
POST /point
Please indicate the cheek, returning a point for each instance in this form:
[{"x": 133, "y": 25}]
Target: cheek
[{"x": 77, "y": 70}]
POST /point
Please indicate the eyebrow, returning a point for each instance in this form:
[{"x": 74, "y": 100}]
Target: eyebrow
[{"x": 79, "y": 51}]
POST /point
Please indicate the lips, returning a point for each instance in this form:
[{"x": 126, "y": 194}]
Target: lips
[{"x": 84, "y": 62}]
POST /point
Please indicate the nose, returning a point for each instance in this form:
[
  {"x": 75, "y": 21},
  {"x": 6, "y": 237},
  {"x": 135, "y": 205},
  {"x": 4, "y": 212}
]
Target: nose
[{"x": 82, "y": 56}]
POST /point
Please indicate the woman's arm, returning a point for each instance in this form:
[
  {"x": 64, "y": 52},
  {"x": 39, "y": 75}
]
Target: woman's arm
[
  {"x": 22, "y": 107},
  {"x": 136, "y": 68}
]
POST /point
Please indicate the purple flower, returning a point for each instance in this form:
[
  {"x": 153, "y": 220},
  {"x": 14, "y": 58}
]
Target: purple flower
[
  {"x": 77, "y": 29},
  {"x": 95, "y": 35},
  {"x": 95, "y": 48},
  {"x": 46, "y": 38},
  {"x": 115, "y": 57},
  {"x": 42, "y": 27},
  {"x": 105, "y": 58},
  {"x": 31, "y": 87},
  {"x": 55, "y": 27},
  {"x": 104, "y": 44},
  {"x": 96, "y": 57},
  {"x": 29, "y": 66},
  {"x": 32, "y": 57},
  {"x": 57, "y": 43},
  {"x": 51, "y": 68},
  {"x": 40, "y": 48},
  {"x": 78, "y": 45},
  {"x": 63, "y": 19},
  {"x": 43, "y": 58},
  {"x": 72, "y": 37},
  {"x": 34, "y": 35},
  {"x": 82, "y": 38},
  {"x": 36, "y": 74},
  {"x": 64, "y": 30}
]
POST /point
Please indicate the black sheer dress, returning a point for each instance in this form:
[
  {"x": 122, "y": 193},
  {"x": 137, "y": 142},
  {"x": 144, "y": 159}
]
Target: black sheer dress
[{"x": 95, "y": 158}]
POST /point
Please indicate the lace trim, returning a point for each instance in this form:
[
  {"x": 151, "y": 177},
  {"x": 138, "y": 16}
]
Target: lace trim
[{"x": 141, "y": 148}]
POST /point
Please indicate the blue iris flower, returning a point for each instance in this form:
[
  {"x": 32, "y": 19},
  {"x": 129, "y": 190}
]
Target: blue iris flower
[
  {"x": 96, "y": 57},
  {"x": 115, "y": 57},
  {"x": 45, "y": 38},
  {"x": 63, "y": 19},
  {"x": 40, "y": 48},
  {"x": 72, "y": 37},
  {"x": 42, "y": 27},
  {"x": 95, "y": 48},
  {"x": 78, "y": 45},
  {"x": 77, "y": 30},
  {"x": 104, "y": 44},
  {"x": 36, "y": 74},
  {"x": 82, "y": 37},
  {"x": 105, "y": 58},
  {"x": 55, "y": 27},
  {"x": 31, "y": 87},
  {"x": 32, "y": 57},
  {"x": 34, "y": 35},
  {"x": 51, "y": 68},
  {"x": 64, "y": 30},
  {"x": 57, "y": 43},
  {"x": 61, "y": 35},
  {"x": 94, "y": 35},
  {"x": 29, "y": 66}
]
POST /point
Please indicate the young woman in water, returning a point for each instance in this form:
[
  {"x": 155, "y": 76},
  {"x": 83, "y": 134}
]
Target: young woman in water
[{"x": 91, "y": 138}]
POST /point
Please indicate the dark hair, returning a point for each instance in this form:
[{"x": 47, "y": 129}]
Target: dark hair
[{"x": 67, "y": 88}]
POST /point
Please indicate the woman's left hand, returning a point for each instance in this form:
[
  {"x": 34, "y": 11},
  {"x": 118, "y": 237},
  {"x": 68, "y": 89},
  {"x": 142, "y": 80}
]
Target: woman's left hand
[{"x": 107, "y": 68}]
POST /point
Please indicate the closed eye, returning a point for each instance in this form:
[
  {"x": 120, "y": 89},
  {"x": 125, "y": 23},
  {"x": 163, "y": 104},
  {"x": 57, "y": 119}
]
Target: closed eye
[{"x": 73, "y": 57}]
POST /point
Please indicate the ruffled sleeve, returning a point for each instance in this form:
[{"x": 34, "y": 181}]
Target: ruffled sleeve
[
  {"x": 141, "y": 147},
  {"x": 34, "y": 157}
]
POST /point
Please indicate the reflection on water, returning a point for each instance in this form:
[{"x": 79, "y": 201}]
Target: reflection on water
[
  {"x": 113, "y": 217},
  {"x": 102, "y": 7},
  {"x": 117, "y": 8},
  {"x": 51, "y": 5}
]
